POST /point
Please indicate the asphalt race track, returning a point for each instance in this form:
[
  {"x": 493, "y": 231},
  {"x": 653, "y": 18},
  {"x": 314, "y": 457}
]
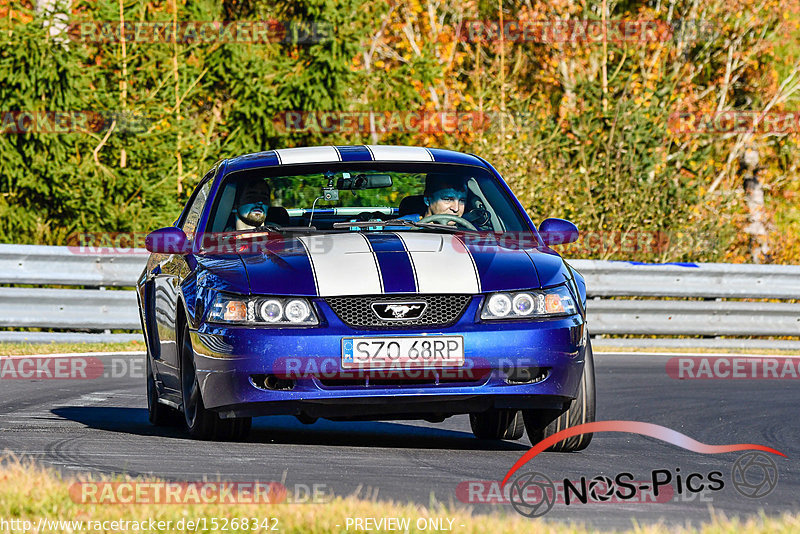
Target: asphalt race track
[{"x": 101, "y": 426}]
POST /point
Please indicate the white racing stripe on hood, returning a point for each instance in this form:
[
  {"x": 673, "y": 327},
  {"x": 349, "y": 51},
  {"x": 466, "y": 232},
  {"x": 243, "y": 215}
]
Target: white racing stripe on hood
[
  {"x": 442, "y": 263},
  {"x": 343, "y": 264}
]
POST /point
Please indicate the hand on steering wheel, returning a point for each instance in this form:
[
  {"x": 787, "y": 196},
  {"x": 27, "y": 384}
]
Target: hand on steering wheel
[{"x": 446, "y": 218}]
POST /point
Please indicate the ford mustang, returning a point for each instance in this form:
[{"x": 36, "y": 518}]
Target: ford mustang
[{"x": 364, "y": 283}]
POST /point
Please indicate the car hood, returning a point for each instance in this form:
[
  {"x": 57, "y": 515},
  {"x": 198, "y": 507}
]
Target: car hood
[{"x": 372, "y": 263}]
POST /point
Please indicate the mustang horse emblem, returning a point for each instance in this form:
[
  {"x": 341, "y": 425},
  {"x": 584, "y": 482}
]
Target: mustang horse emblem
[
  {"x": 398, "y": 311},
  {"x": 401, "y": 310}
]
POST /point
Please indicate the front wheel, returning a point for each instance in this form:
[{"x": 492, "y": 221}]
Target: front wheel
[
  {"x": 497, "y": 424},
  {"x": 580, "y": 411},
  {"x": 200, "y": 422}
]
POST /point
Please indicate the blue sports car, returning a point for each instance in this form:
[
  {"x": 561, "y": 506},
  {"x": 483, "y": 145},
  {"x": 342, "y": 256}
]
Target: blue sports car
[{"x": 364, "y": 283}]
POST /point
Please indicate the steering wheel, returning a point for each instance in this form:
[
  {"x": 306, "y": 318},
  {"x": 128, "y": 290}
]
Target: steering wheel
[
  {"x": 479, "y": 217},
  {"x": 446, "y": 218}
]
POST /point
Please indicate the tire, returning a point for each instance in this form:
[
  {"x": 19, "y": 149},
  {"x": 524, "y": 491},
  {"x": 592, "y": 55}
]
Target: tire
[
  {"x": 581, "y": 410},
  {"x": 200, "y": 422},
  {"x": 497, "y": 424}
]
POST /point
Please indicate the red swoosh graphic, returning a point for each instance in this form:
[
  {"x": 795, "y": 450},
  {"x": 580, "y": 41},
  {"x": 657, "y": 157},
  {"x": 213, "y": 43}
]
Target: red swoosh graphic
[{"x": 635, "y": 427}]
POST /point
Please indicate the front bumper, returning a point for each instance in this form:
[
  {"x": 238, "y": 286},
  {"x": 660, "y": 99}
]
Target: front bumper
[{"x": 231, "y": 361}]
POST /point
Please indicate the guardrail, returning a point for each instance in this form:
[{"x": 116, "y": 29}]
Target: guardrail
[
  {"x": 41, "y": 265},
  {"x": 80, "y": 314},
  {"x": 89, "y": 313},
  {"x": 697, "y": 280},
  {"x": 713, "y": 311}
]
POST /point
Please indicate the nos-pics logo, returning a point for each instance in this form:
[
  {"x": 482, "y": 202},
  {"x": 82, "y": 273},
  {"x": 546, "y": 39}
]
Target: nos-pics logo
[{"x": 754, "y": 474}]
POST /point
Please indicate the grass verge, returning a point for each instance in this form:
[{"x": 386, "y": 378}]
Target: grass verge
[
  {"x": 31, "y": 493},
  {"x": 23, "y": 349}
]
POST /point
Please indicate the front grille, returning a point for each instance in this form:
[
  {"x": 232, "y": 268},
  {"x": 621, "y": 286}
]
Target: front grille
[{"x": 441, "y": 310}]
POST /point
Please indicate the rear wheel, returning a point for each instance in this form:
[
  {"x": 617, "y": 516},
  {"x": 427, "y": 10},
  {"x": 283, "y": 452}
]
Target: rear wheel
[
  {"x": 580, "y": 411},
  {"x": 200, "y": 422},
  {"x": 497, "y": 424}
]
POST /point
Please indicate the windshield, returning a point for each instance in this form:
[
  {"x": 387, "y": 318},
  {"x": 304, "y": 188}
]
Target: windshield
[{"x": 368, "y": 196}]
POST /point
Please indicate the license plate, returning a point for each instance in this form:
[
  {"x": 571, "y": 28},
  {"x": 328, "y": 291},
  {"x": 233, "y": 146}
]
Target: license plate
[{"x": 402, "y": 352}]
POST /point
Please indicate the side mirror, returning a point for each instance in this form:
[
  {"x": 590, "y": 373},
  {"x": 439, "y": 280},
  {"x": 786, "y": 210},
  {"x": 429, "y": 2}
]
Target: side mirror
[
  {"x": 169, "y": 240},
  {"x": 558, "y": 232}
]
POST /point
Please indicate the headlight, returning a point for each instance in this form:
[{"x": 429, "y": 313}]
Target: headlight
[
  {"x": 297, "y": 310},
  {"x": 499, "y": 305},
  {"x": 240, "y": 309},
  {"x": 271, "y": 310},
  {"x": 534, "y": 304}
]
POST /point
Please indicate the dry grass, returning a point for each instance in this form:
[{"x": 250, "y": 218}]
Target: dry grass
[
  {"x": 30, "y": 492},
  {"x": 24, "y": 349}
]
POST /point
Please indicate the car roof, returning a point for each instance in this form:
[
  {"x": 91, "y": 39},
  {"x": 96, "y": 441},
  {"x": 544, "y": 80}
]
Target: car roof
[{"x": 328, "y": 154}]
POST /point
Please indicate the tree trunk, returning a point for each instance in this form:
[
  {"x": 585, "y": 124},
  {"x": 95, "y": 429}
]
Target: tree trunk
[{"x": 758, "y": 220}]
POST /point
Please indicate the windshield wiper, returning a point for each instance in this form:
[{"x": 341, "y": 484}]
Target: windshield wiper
[
  {"x": 437, "y": 226},
  {"x": 369, "y": 224},
  {"x": 401, "y": 222},
  {"x": 281, "y": 229}
]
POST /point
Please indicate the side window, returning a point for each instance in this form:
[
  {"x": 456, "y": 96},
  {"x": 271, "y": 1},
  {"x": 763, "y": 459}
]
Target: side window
[{"x": 196, "y": 210}]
